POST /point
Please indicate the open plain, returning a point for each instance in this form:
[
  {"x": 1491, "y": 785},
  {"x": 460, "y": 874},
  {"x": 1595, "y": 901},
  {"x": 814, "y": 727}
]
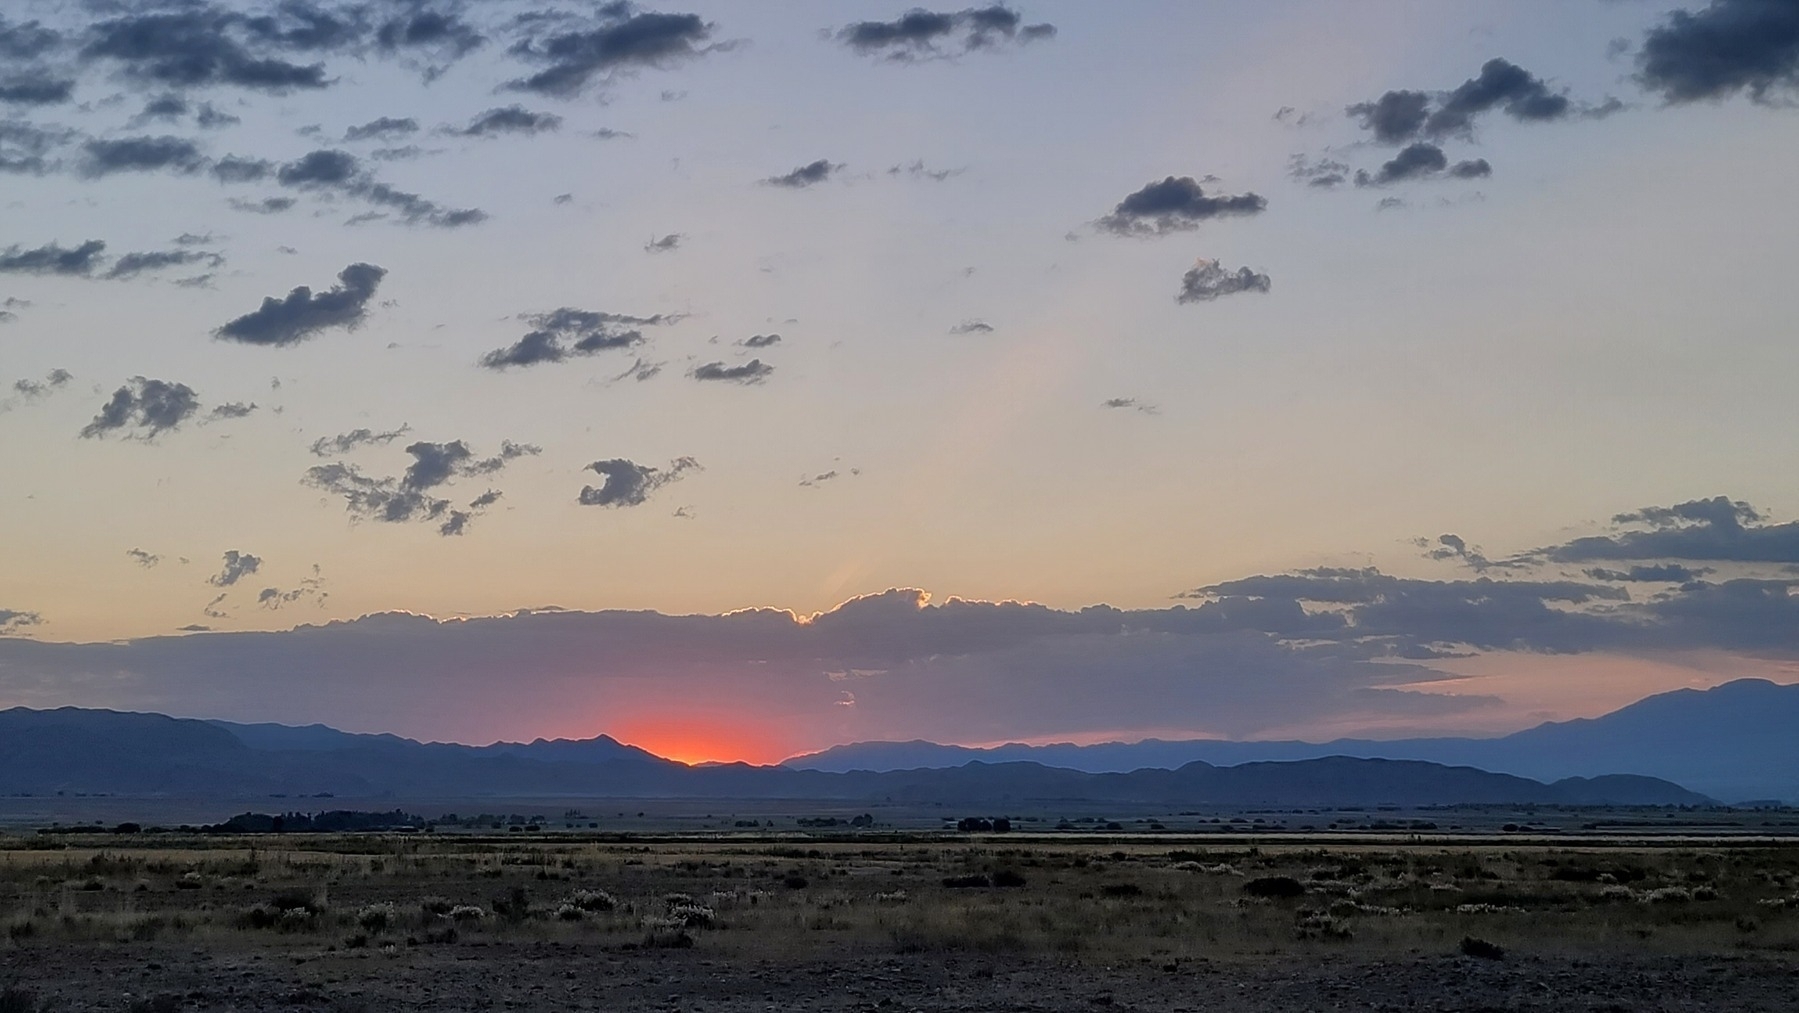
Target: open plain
[{"x": 893, "y": 922}]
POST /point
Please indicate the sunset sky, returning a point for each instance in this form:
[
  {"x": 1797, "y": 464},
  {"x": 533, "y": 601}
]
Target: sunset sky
[{"x": 742, "y": 379}]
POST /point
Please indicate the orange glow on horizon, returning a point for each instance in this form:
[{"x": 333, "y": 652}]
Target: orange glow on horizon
[{"x": 691, "y": 739}]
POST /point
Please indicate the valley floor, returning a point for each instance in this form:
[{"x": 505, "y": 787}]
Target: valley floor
[{"x": 557, "y": 976}]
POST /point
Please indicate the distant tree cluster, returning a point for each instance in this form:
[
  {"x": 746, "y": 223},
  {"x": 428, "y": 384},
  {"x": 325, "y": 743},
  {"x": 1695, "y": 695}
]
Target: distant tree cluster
[{"x": 984, "y": 825}]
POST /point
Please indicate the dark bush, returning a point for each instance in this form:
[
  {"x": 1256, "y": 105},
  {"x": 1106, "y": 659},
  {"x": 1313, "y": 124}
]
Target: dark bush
[
  {"x": 1121, "y": 890},
  {"x": 1006, "y": 877},
  {"x": 794, "y": 882},
  {"x": 1274, "y": 886},
  {"x": 975, "y": 881},
  {"x": 1472, "y": 947}
]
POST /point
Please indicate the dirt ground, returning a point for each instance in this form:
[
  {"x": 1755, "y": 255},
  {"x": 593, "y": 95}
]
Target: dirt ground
[{"x": 562, "y": 976}]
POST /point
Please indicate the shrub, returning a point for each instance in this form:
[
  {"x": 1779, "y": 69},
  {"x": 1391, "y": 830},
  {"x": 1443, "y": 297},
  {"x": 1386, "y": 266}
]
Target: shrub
[
  {"x": 591, "y": 900},
  {"x": 1121, "y": 890},
  {"x": 467, "y": 913},
  {"x": 975, "y": 881},
  {"x": 569, "y": 913},
  {"x": 1473, "y": 947},
  {"x": 378, "y": 918},
  {"x": 794, "y": 882},
  {"x": 436, "y": 906},
  {"x": 1007, "y": 878},
  {"x": 692, "y": 916},
  {"x": 1274, "y": 886}
]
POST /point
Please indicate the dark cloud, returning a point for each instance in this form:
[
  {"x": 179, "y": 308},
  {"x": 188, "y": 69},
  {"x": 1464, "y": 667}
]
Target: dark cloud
[
  {"x": 30, "y": 90},
  {"x": 133, "y": 264},
  {"x": 1208, "y": 280},
  {"x": 140, "y": 154},
  {"x": 1395, "y": 117},
  {"x": 1654, "y": 573},
  {"x": 384, "y": 128},
  {"x": 237, "y": 565},
  {"x": 343, "y": 443},
  {"x": 1422, "y": 161},
  {"x": 302, "y": 314},
  {"x": 1400, "y": 117},
  {"x": 13, "y": 621},
  {"x": 514, "y": 119},
  {"x": 919, "y": 34},
  {"x": 618, "y": 38},
  {"x": 761, "y": 341},
  {"x": 1707, "y": 530},
  {"x": 203, "y": 44},
  {"x": 144, "y": 408},
  {"x": 231, "y": 410},
  {"x": 412, "y": 495},
  {"x": 627, "y": 483},
  {"x": 210, "y": 117},
  {"x": 53, "y": 259},
  {"x": 568, "y": 332},
  {"x": 663, "y": 244},
  {"x": 439, "y": 35},
  {"x": 806, "y": 175},
  {"x": 753, "y": 371},
  {"x": 27, "y": 40},
  {"x": 1727, "y": 47},
  {"x": 972, "y": 327},
  {"x": 322, "y": 168},
  {"x": 640, "y": 371},
  {"x": 1175, "y": 205},
  {"x": 1501, "y": 84},
  {"x": 142, "y": 558}
]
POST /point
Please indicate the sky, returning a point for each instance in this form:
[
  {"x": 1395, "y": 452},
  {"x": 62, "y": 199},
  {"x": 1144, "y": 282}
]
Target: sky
[{"x": 738, "y": 380}]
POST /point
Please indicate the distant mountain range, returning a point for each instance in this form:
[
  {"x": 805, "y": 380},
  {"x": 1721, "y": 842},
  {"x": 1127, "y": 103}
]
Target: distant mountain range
[
  {"x": 1738, "y": 741},
  {"x": 105, "y": 752}
]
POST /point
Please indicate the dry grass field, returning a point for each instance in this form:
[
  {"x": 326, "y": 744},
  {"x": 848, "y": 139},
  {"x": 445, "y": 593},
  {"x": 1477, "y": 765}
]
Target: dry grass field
[{"x": 374, "y": 922}]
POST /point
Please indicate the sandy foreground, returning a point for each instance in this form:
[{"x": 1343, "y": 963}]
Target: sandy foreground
[{"x": 561, "y": 976}]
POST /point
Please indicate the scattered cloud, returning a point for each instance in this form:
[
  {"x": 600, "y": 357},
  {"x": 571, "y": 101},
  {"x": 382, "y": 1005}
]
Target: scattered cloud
[
  {"x": 920, "y": 34},
  {"x": 302, "y": 314},
  {"x": 52, "y": 258},
  {"x": 1208, "y": 280},
  {"x": 761, "y": 341},
  {"x": 663, "y": 244},
  {"x": 628, "y": 484},
  {"x": 917, "y": 170},
  {"x": 1130, "y": 404},
  {"x": 513, "y": 119},
  {"x": 618, "y": 38},
  {"x": 231, "y": 410},
  {"x": 569, "y": 332},
  {"x": 972, "y": 327},
  {"x": 133, "y": 264},
  {"x": 1176, "y": 204},
  {"x": 144, "y": 559},
  {"x": 26, "y": 392},
  {"x": 413, "y": 495},
  {"x": 310, "y": 588},
  {"x": 751, "y": 372},
  {"x": 237, "y": 565},
  {"x": 343, "y": 443},
  {"x": 144, "y": 408},
  {"x": 810, "y": 174},
  {"x": 383, "y": 128},
  {"x": 13, "y": 621},
  {"x": 1323, "y": 173}
]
